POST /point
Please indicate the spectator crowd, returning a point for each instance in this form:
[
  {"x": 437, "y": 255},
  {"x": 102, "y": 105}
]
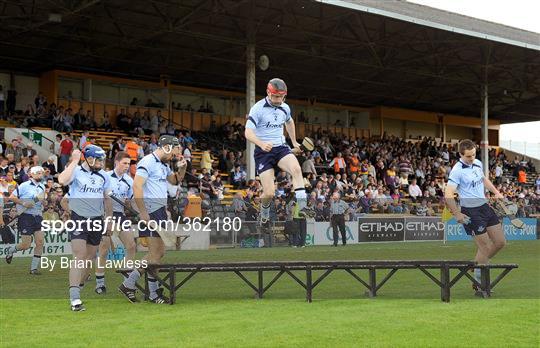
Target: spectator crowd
[{"x": 384, "y": 175}]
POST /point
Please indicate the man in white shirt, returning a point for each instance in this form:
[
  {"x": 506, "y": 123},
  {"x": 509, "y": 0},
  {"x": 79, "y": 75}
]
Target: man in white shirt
[
  {"x": 498, "y": 173},
  {"x": 414, "y": 190}
]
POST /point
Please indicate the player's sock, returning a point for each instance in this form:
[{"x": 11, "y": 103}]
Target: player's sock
[
  {"x": 265, "y": 208},
  {"x": 132, "y": 279},
  {"x": 74, "y": 293},
  {"x": 35, "y": 262},
  {"x": 301, "y": 197},
  {"x": 153, "y": 285},
  {"x": 12, "y": 250},
  {"x": 477, "y": 274},
  {"x": 100, "y": 280}
]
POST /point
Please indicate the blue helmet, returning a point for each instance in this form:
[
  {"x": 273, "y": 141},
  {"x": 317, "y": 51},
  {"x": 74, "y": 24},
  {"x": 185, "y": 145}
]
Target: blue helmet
[{"x": 94, "y": 151}]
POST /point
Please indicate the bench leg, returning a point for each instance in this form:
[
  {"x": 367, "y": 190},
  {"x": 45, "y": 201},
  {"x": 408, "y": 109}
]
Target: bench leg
[
  {"x": 260, "y": 291},
  {"x": 372, "y": 292},
  {"x": 309, "y": 285},
  {"x": 485, "y": 281},
  {"x": 146, "y": 288},
  {"x": 172, "y": 286},
  {"x": 445, "y": 283}
]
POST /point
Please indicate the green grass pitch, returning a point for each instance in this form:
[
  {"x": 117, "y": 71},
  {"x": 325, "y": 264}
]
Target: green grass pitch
[{"x": 218, "y": 309}]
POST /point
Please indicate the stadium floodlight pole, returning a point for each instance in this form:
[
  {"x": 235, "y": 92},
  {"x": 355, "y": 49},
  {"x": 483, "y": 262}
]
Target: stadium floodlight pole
[{"x": 250, "y": 101}]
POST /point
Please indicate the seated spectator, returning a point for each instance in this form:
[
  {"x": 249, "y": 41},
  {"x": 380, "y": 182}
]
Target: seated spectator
[
  {"x": 170, "y": 129},
  {"x": 308, "y": 166},
  {"x": 20, "y": 173},
  {"x": 217, "y": 186},
  {"x": 50, "y": 214},
  {"x": 206, "y": 160},
  {"x": 51, "y": 165},
  {"x": 282, "y": 177},
  {"x": 404, "y": 181},
  {"x": 88, "y": 121},
  {"x": 106, "y": 123},
  {"x": 414, "y": 191},
  {"x": 15, "y": 149},
  {"x": 29, "y": 151},
  {"x": 188, "y": 139},
  {"x": 239, "y": 206},
  {"x": 431, "y": 190},
  {"x": 47, "y": 175},
  {"x": 4, "y": 166},
  {"x": 3, "y": 186},
  {"x": 396, "y": 207},
  {"x": 238, "y": 177},
  {"x": 192, "y": 179},
  {"x": 206, "y": 187},
  {"x": 365, "y": 202},
  {"x": 10, "y": 177},
  {"x": 68, "y": 121},
  {"x": 422, "y": 209},
  {"x": 430, "y": 209}
]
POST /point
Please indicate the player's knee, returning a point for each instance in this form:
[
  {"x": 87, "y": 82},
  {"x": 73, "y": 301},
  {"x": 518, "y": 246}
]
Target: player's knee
[
  {"x": 25, "y": 245},
  {"x": 268, "y": 193},
  {"x": 296, "y": 171},
  {"x": 156, "y": 256},
  {"x": 484, "y": 246},
  {"x": 39, "y": 239},
  {"x": 161, "y": 253},
  {"x": 499, "y": 244}
]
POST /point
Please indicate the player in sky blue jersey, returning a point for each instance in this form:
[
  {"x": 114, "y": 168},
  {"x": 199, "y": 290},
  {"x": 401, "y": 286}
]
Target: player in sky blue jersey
[
  {"x": 122, "y": 188},
  {"x": 480, "y": 221},
  {"x": 150, "y": 195},
  {"x": 89, "y": 186},
  {"x": 29, "y": 196},
  {"x": 264, "y": 128}
]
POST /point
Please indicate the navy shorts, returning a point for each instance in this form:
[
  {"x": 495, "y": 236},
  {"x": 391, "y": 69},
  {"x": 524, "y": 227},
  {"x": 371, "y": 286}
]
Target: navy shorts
[
  {"x": 28, "y": 224},
  {"x": 91, "y": 235},
  {"x": 269, "y": 160},
  {"x": 119, "y": 219},
  {"x": 158, "y": 216},
  {"x": 482, "y": 217}
]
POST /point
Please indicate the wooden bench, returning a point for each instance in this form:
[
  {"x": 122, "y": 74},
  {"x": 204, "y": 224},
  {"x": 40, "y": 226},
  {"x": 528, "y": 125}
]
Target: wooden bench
[{"x": 445, "y": 281}]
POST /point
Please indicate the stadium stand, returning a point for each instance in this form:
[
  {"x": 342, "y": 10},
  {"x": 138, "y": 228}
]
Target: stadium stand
[{"x": 376, "y": 178}]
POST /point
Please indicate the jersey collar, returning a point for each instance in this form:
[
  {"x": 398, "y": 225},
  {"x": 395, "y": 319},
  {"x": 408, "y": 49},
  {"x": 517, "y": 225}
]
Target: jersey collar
[
  {"x": 156, "y": 158},
  {"x": 267, "y": 104},
  {"x": 465, "y": 165}
]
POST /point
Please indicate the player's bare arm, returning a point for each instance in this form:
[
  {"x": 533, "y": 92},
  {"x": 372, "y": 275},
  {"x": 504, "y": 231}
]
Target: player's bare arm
[
  {"x": 250, "y": 136},
  {"x": 65, "y": 177},
  {"x": 449, "y": 194},
  {"x": 489, "y": 185},
  {"x": 291, "y": 130}
]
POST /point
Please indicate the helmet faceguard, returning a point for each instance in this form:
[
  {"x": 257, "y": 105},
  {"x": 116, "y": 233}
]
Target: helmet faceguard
[{"x": 93, "y": 153}]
